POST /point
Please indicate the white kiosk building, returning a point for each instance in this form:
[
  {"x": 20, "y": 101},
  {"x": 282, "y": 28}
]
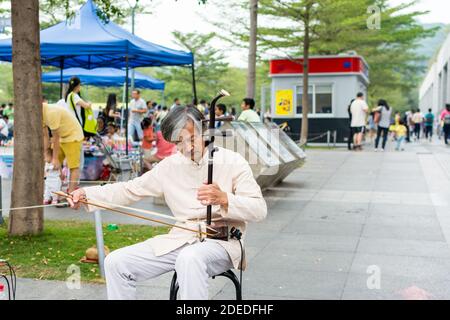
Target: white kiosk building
[{"x": 333, "y": 82}]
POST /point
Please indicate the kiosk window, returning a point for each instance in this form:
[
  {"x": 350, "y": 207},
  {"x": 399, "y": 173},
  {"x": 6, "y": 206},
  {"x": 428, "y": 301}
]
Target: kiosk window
[
  {"x": 320, "y": 99},
  {"x": 300, "y": 97},
  {"x": 324, "y": 99}
]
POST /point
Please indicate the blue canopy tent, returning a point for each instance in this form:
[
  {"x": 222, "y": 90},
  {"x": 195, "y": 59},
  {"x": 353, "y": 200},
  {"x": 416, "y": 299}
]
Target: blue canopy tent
[
  {"x": 86, "y": 41},
  {"x": 105, "y": 77}
]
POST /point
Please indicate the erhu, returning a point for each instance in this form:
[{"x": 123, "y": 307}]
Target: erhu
[{"x": 222, "y": 230}]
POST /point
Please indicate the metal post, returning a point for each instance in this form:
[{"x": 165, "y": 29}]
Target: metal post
[
  {"x": 194, "y": 87},
  {"x": 328, "y": 138},
  {"x": 121, "y": 109},
  {"x": 334, "y": 138},
  {"x": 61, "y": 66},
  {"x": 100, "y": 243},
  {"x": 126, "y": 106},
  {"x": 133, "y": 12},
  {"x": 263, "y": 104}
]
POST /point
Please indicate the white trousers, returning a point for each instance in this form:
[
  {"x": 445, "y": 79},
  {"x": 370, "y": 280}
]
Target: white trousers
[
  {"x": 194, "y": 265},
  {"x": 52, "y": 184}
]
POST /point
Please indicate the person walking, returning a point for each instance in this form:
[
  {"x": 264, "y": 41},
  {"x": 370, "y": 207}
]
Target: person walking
[
  {"x": 429, "y": 121},
  {"x": 372, "y": 121},
  {"x": 358, "y": 110},
  {"x": 383, "y": 123},
  {"x": 445, "y": 119},
  {"x": 400, "y": 131},
  {"x": 138, "y": 108},
  {"x": 350, "y": 131},
  {"x": 409, "y": 125},
  {"x": 417, "y": 120}
]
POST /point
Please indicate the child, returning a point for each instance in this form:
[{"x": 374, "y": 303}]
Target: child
[
  {"x": 147, "y": 142},
  {"x": 111, "y": 137},
  {"x": 52, "y": 180},
  {"x": 400, "y": 134}
]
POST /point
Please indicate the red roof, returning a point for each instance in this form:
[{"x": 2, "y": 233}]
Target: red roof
[{"x": 320, "y": 65}]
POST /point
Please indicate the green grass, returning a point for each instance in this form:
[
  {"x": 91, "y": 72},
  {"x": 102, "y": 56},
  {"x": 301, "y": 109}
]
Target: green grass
[{"x": 47, "y": 256}]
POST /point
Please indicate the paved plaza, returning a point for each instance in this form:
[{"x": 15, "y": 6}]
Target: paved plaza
[{"x": 348, "y": 225}]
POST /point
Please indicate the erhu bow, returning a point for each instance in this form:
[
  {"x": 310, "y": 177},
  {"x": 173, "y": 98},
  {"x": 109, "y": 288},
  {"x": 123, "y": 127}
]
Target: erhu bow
[{"x": 104, "y": 206}]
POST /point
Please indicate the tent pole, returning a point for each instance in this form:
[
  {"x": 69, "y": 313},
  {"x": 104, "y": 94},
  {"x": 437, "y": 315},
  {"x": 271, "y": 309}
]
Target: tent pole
[
  {"x": 126, "y": 105},
  {"x": 61, "y": 66},
  {"x": 194, "y": 87},
  {"x": 122, "y": 113}
]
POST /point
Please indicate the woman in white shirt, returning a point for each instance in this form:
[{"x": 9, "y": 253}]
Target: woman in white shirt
[
  {"x": 74, "y": 101},
  {"x": 383, "y": 123}
]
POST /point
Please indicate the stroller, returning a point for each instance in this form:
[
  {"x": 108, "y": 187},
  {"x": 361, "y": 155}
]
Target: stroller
[{"x": 122, "y": 167}]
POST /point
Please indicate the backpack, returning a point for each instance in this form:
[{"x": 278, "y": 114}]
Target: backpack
[
  {"x": 377, "y": 117},
  {"x": 89, "y": 124},
  {"x": 447, "y": 119}
]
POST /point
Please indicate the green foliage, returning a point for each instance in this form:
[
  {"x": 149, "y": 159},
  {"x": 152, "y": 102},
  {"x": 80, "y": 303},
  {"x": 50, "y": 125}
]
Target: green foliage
[
  {"x": 119, "y": 11},
  {"x": 209, "y": 68},
  {"x": 339, "y": 26},
  {"x": 6, "y": 83},
  {"x": 63, "y": 243}
]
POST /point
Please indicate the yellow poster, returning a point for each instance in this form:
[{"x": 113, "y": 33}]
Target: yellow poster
[{"x": 284, "y": 100}]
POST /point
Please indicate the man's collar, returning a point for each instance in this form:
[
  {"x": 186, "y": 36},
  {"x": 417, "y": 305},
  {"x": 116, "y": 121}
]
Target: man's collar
[{"x": 203, "y": 160}]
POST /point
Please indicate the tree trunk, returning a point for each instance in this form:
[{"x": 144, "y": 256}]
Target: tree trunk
[
  {"x": 305, "y": 104},
  {"x": 251, "y": 71},
  {"x": 27, "y": 185}
]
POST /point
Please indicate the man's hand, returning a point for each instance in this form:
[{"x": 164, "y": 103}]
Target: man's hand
[
  {"x": 77, "y": 195},
  {"x": 210, "y": 194}
]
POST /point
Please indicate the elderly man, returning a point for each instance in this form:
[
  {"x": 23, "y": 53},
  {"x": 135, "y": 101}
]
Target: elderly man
[{"x": 235, "y": 198}]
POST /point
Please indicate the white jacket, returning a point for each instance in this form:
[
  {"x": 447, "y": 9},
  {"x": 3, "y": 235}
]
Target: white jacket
[{"x": 177, "y": 178}]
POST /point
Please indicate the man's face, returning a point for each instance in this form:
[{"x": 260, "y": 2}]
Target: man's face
[
  {"x": 177, "y": 102},
  {"x": 218, "y": 112},
  {"x": 191, "y": 143},
  {"x": 244, "y": 106},
  {"x": 135, "y": 95}
]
